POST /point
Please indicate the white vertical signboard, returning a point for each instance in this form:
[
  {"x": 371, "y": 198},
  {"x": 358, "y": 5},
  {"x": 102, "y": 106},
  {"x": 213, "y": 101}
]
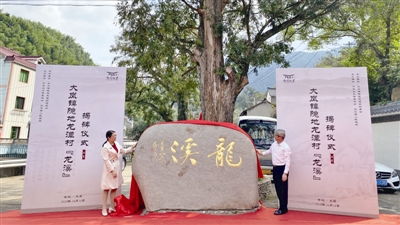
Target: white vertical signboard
[
  {"x": 326, "y": 114},
  {"x": 73, "y": 107}
]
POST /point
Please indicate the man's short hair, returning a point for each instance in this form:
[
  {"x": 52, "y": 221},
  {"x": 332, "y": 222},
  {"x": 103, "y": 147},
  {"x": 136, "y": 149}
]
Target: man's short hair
[{"x": 280, "y": 132}]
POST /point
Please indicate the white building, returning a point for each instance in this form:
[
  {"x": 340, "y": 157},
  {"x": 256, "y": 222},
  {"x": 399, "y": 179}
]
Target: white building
[
  {"x": 266, "y": 107},
  {"x": 386, "y": 133},
  {"x": 128, "y": 125},
  {"x": 17, "y": 81}
]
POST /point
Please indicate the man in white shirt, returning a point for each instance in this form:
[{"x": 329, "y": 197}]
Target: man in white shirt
[{"x": 281, "y": 162}]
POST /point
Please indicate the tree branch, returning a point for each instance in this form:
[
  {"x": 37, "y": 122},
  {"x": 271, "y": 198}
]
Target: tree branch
[
  {"x": 188, "y": 71},
  {"x": 159, "y": 111},
  {"x": 246, "y": 9},
  {"x": 144, "y": 77},
  {"x": 260, "y": 38},
  {"x": 199, "y": 11}
]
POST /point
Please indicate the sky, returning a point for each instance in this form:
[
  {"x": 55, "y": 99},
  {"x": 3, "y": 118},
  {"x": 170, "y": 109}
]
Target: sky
[{"x": 93, "y": 27}]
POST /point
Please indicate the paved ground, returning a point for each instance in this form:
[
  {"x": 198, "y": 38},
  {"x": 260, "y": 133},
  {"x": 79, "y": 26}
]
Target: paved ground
[
  {"x": 389, "y": 203},
  {"x": 11, "y": 194},
  {"x": 11, "y": 189}
]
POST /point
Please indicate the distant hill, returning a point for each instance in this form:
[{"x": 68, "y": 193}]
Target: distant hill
[
  {"x": 265, "y": 76},
  {"x": 34, "y": 39}
]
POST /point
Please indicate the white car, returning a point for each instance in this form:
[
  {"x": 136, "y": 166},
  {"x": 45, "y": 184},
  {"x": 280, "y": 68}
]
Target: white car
[{"x": 386, "y": 178}]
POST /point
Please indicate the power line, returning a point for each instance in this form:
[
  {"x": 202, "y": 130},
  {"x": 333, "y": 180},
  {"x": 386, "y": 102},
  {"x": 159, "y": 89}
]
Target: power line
[
  {"x": 61, "y": 0},
  {"x": 95, "y": 3},
  {"x": 315, "y": 54},
  {"x": 270, "y": 71},
  {"x": 54, "y": 4},
  {"x": 259, "y": 82}
]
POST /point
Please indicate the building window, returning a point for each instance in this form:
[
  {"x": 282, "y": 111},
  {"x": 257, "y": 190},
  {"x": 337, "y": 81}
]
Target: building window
[
  {"x": 24, "y": 76},
  {"x": 15, "y": 132},
  {"x": 19, "y": 103}
]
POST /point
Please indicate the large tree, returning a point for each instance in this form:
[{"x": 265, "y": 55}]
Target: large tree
[
  {"x": 225, "y": 38},
  {"x": 162, "y": 77},
  {"x": 375, "y": 27}
]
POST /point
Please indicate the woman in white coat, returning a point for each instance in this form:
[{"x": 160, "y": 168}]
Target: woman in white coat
[{"x": 111, "y": 179}]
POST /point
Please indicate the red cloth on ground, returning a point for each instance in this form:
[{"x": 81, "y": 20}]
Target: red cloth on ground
[{"x": 131, "y": 206}]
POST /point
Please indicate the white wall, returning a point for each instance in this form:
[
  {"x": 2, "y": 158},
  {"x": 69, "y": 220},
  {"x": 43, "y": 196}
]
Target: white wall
[
  {"x": 17, "y": 117},
  {"x": 386, "y": 137}
]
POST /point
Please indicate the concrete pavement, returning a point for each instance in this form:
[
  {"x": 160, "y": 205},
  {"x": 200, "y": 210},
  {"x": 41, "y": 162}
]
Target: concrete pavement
[{"x": 11, "y": 189}]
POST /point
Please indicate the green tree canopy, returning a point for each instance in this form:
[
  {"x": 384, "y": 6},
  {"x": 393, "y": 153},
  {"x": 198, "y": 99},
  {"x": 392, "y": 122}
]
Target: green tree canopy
[
  {"x": 162, "y": 77},
  {"x": 375, "y": 27},
  {"x": 223, "y": 39},
  {"x": 34, "y": 39}
]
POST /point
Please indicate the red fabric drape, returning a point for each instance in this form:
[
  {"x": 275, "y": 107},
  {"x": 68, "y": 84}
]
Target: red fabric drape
[
  {"x": 259, "y": 170},
  {"x": 135, "y": 196},
  {"x": 211, "y": 123},
  {"x": 131, "y": 206}
]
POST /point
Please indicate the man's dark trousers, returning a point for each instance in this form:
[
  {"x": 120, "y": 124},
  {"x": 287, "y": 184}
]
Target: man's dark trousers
[{"x": 280, "y": 187}]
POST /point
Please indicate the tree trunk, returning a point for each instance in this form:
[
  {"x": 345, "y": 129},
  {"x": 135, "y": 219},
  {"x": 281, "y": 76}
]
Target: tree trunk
[
  {"x": 182, "y": 107},
  {"x": 218, "y": 89}
]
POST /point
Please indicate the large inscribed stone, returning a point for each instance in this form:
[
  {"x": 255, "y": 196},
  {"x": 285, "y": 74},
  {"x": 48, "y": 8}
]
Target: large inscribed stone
[{"x": 183, "y": 166}]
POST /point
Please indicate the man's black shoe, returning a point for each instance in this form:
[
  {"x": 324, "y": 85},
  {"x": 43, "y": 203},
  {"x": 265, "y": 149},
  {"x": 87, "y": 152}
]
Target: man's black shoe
[{"x": 280, "y": 212}]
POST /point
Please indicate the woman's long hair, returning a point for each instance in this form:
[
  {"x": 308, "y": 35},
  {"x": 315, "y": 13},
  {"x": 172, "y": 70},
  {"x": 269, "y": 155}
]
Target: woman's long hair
[{"x": 109, "y": 133}]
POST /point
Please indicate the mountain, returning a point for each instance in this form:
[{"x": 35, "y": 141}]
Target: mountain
[
  {"x": 265, "y": 76},
  {"x": 34, "y": 39}
]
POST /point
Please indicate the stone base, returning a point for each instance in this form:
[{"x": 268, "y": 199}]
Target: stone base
[
  {"x": 212, "y": 212},
  {"x": 265, "y": 188}
]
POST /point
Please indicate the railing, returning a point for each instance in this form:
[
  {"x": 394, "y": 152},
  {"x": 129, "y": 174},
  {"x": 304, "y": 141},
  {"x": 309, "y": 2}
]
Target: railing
[
  {"x": 17, "y": 148},
  {"x": 127, "y": 144},
  {"x": 12, "y": 163},
  {"x": 13, "y": 148},
  {"x": 12, "y": 167}
]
